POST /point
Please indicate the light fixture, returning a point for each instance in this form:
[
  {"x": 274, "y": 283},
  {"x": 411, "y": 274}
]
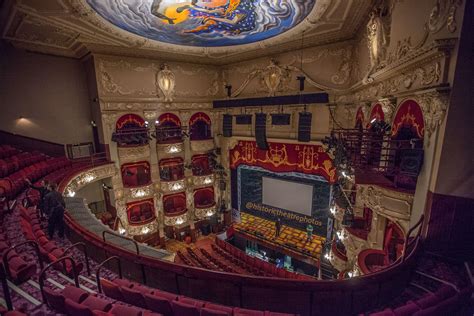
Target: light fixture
[
  {"x": 327, "y": 256},
  {"x": 145, "y": 230},
  {"x": 333, "y": 210},
  {"x": 208, "y": 180},
  {"x": 209, "y": 213},
  {"x": 89, "y": 178},
  {"x": 350, "y": 274},
  {"x": 121, "y": 231},
  {"x": 373, "y": 120},
  {"x": 157, "y": 122},
  {"x": 341, "y": 235},
  {"x": 179, "y": 221},
  {"x": 177, "y": 186},
  {"x": 139, "y": 193},
  {"x": 173, "y": 149},
  {"x": 71, "y": 193}
]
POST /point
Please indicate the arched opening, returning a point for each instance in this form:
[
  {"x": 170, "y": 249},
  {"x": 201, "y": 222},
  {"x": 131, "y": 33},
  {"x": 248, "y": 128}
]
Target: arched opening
[
  {"x": 407, "y": 134},
  {"x": 204, "y": 197},
  {"x": 168, "y": 129},
  {"x": 200, "y": 127},
  {"x": 130, "y": 130},
  {"x": 174, "y": 204},
  {"x": 200, "y": 165}
]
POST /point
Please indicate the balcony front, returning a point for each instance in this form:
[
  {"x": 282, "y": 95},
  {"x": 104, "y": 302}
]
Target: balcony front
[{"x": 204, "y": 202}]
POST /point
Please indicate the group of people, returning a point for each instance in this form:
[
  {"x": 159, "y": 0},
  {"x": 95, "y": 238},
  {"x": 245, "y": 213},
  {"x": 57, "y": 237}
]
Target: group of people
[{"x": 52, "y": 205}]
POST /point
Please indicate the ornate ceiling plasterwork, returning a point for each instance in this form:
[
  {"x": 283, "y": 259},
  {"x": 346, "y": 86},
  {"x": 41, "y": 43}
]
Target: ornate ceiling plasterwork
[{"x": 73, "y": 28}]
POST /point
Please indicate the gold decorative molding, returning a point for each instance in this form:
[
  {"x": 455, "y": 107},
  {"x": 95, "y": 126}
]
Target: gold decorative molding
[
  {"x": 173, "y": 186},
  {"x": 201, "y": 146},
  {"x": 134, "y": 154},
  {"x": 175, "y": 220},
  {"x": 388, "y": 203},
  {"x": 434, "y": 105},
  {"x": 203, "y": 180},
  {"x": 170, "y": 149},
  {"x": 88, "y": 176},
  {"x": 140, "y": 192},
  {"x": 202, "y": 213}
]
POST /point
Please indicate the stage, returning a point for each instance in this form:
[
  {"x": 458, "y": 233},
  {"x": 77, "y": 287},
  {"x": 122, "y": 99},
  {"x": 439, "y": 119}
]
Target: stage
[{"x": 291, "y": 242}]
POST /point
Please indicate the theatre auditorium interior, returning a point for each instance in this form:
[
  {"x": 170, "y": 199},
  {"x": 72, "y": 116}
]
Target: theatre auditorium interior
[{"x": 237, "y": 157}]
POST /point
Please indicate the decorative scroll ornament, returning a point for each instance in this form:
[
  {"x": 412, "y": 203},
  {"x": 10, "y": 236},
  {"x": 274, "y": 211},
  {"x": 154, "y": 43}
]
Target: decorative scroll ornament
[
  {"x": 272, "y": 76},
  {"x": 388, "y": 107},
  {"x": 434, "y": 105},
  {"x": 166, "y": 82},
  {"x": 443, "y": 13},
  {"x": 202, "y": 213}
]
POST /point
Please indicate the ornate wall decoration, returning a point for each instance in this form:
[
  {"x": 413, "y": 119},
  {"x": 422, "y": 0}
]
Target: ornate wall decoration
[
  {"x": 443, "y": 13},
  {"x": 132, "y": 154},
  {"x": 434, "y": 105},
  {"x": 154, "y": 106},
  {"x": 149, "y": 228},
  {"x": 203, "y": 180},
  {"x": 202, "y": 145},
  {"x": 173, "y": 186},
  {"x": 175, "y": 220},
  {"x": 88, "y": 176},
  {"x": 202, "y": 213},
  {"x": 170, "y": 149},
  {"x": 378, "y": 35},
  {"x": 166, "y": 81},
  {"x": 111, "y": 86},
  {"x": 140, "y": 193},
  {"x": 388, "y": 108}
]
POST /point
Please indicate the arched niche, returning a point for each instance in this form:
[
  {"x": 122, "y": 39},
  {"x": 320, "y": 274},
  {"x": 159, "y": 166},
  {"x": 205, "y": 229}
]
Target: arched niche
[
  {"x": 130, "y": 130},
  {"x": 171, "y": 169},
  {"x": 168, "y": 129},
  {"x": 174, "y": 204},
  {"x": 204, "y": 197},
  {"x": 200, "y": 126}
]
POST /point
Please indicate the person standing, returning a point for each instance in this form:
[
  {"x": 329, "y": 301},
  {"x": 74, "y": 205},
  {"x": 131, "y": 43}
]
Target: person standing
[
  {"x": 43, "y": 190},
  {"x": 277, "y": 228},
  {"x": 55, "y": 206},
  {"x": 309, "y": 233}
]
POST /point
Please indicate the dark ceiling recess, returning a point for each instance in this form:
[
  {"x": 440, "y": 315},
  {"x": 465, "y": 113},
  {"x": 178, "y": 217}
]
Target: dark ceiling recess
[{"x": 272, "y": 101}]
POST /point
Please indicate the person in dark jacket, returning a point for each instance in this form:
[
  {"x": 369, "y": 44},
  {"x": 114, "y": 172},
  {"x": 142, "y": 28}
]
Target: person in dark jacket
[
  {"x": 277, "y": 228},
  {"x": 55, "y": 205},
  {"x": 43, "y": 189}
]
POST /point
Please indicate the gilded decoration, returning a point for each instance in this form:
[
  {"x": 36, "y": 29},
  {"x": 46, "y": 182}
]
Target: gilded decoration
[
  {"x": 203, "y": 180},
  {"x": 166, "y": 82},
  {"x": 434, "y": 105},
  {"x": 388, "y": 203},
  {"x": 133, "y": 154},
  {"x": 88, "y": 176},
  {"x": 173, "y": 186},
  {"x": 170, "y": 149},
  {"x": 140, "y": 193},
  {"x": 175, "y": 220},
  {"x": 202, "y": 213},
  {"x": 136, "y": 230},
  {"x": 202, "y": 145}
]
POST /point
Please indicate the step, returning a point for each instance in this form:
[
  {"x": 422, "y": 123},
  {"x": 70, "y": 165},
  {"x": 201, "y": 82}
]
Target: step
[
  {"x": 23, "y": 294},
  {"x": 68, "y": 279}
]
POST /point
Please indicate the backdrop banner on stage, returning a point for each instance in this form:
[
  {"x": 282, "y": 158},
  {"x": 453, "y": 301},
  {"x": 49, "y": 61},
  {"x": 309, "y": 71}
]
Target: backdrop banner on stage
[
  {"x": 283, "y": 157},
  {"x": 250, "y": 196}
]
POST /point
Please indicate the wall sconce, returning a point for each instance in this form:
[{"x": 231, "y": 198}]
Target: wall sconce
[
  {"x": 166, "y": 82},
  {"x": 145, "y": 230},
  {"x": 179, "y": 221}
]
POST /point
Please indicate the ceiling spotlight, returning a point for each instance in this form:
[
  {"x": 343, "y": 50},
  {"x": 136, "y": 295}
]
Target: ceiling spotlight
[{"x": 373, "y": 120}]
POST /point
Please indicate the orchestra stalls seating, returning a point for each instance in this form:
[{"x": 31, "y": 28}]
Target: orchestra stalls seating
[
  {"x": 136, "y": 174},
  {"x": 168, "y": 129}
]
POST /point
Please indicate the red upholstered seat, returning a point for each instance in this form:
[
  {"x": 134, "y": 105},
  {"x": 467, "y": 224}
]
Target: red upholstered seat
[
  {"x": 158, "y": 304},
  {"x": 267, "y": 313},
  {"x": 386, "y": 312},
  {"x": 133, "y": 297},
  {"x": 445, "y": 291},
  {"x": 406, "y": 310},
  {"x": 122, "y": 310},
  {"x": 427, "y": 301},
  {"x": 77, "y": 309},
  {"x": 123, "y": 282},
  {"x": 213, "y": 312},
  {"x": 169, "y": 296},
  {"x": 55, "y": 300},
  {"x": 111, "y": 290},
  {"x": 183, "y": 309},
  {"x": 95, "y": 303},
  {"x": 74, "y": 293},
  {"x": 221, "y": 308},
  {"x": 247, "y": 312},
  {"x": 191, "y": 301}
]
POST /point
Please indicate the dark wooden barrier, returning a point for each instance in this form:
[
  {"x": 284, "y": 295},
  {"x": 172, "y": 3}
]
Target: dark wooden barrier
[{"x": 32, "y": 144}]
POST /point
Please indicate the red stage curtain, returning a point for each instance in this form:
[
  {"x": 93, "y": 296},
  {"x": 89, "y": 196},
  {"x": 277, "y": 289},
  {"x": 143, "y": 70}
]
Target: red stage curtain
[{"x": 281, "y": 157}]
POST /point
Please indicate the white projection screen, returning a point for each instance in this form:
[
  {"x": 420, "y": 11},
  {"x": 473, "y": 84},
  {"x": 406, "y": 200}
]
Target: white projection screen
[{"x": 288, "y": 195}]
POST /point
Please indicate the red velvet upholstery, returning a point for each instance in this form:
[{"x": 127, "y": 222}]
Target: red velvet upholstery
[
  {"x": 247, "y": 312},
  {"x": 122, "y": 310},
  {"x": 184, "y": 309},
  {"x": 213, "y": 312},
  {"x": 174, "y": 204},
  {"x": 77, "y": 309},
  {"x": 95, "y": 303},
  {"x": 158, "y": 304},
  {"x": 133, "y": 297},
  {"x": 427, "y": 301},
  {"x": 406, "y": 310},
  {"x": 111, "y": 290},
  {"x": 191, "y": 301},
  {"x": 140, "y": 213},
  {"x": 226, "y": 310},
  {"x": 55, "y": 300},
  {"x": 75, "y": 294}
]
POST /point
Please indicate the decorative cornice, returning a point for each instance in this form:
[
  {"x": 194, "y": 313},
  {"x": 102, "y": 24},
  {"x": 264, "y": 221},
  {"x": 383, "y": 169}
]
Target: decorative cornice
[
  {"x": 89, "y": 176},
  {"x": 202, "y": 213}
]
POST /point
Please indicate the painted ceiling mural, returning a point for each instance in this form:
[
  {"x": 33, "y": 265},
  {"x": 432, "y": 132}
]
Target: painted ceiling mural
[{"x": 204, "y": 23}]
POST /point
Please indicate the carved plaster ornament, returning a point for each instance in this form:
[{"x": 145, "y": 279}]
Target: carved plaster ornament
[
  {"x": 443, "y": 13},
  {"x": 388, "y": 107},
  {"x": 272, "y": 76},
  {"x": 166, "y": 82},
  {"x": 434, "y": 105}
]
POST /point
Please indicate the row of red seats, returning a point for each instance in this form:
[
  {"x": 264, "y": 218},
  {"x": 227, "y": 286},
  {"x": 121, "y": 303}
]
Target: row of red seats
[
  {"x": 169, "y": 304},
  {"x": 21, "y": 160},
  {"x": 7, "y": 151},
  {"x": 265, "y": 267},
  {"x": 240, "y": 262},
  {"x": 15, "y": 183},
  {"x": 19, "y": 269},
  {"x": 443, "y": 302},
  {"x": 77, "y": 302},
  {"x": 202, "y": 262},
  {"x": 217, "y": 262},
  {"x": 49, "y": 250}
]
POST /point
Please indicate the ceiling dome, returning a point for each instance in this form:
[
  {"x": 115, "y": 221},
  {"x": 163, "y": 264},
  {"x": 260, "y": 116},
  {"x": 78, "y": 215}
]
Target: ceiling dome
[{"x": 204, "y": 23}]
